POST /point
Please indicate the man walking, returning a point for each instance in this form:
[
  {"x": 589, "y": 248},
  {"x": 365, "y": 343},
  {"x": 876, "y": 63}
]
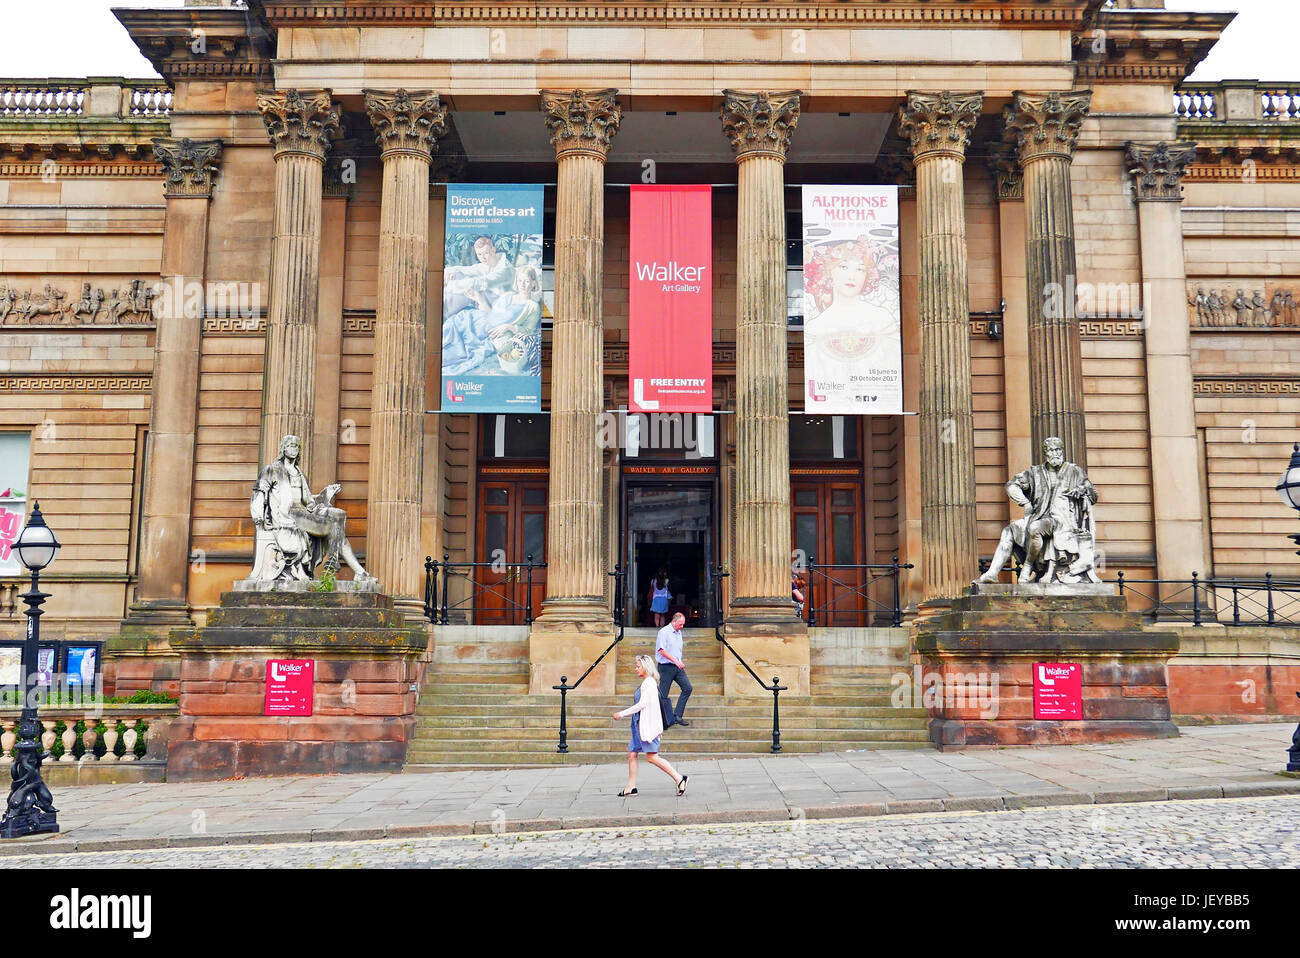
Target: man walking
[{"x": 668, "y": 653}]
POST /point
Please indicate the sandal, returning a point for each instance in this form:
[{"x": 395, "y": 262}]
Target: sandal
[
  {"x": 681, "y": 787},
  {"x": 625, "y": 793}
]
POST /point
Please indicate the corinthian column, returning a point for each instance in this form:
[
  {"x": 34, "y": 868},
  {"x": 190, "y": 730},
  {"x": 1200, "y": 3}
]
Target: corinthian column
[
  {"x": 407, "y": 125},
  {"x": 1157, "y": 172},
  {"x": 761, "y": 622},
  {"x": 1045, "y": 128},
  {"x": 939, "y": 126},
  {"x": 189, "y": 167},
  {"x": 300, "y": 125}
]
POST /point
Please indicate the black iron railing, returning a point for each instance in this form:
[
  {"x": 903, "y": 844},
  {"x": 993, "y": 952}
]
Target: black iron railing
[
  {"x": 1233, "y": 600},
  {"x": 502, "y": 589},
  {"x": 564, "y": 688},
  {"x": 861, "y": 592},
  {"x": 717, "y": 574}
]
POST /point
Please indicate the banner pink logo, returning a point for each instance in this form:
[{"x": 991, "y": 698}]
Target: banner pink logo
[{"x": 670, "y": 299}]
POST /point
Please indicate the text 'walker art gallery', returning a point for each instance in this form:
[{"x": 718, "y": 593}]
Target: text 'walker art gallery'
[{"x": 378, "y": 384}]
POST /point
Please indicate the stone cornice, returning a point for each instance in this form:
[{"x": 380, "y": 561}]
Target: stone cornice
[
  {"x": 1157, "y": 169},
  {"x": 190, "y": 166},
  {"x": 203, "y": 43},
  {"x": 1046, "y": 124},
  {"x": 406, "y": 121},
  {"x": 581, "y": 121},
  {"x": 761, "y": 123},
  {"x": 119, "y": 168},
  {"x": 1059, "y": 14},
  {"x": 1146, "y": 44},
  {"x": 300, "y": 121},
  {"x": 939, "y": 123}
]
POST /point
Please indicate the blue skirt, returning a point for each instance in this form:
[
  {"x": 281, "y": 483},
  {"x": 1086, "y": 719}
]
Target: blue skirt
[{"x": 659, "y": 604}]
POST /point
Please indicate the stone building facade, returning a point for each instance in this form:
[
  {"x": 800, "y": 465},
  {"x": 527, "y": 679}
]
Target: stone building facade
[{"x": 193, "y": 267}]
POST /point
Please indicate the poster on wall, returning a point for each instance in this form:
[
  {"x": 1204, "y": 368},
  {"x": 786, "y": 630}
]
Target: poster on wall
[
  {"x": 82, "y": 664},
  {"x": 853, "y": 353},
  {"x": 670, "y": 299},
  {"x": 15, "y": 451},
  {"x": 492, "y": 299}
]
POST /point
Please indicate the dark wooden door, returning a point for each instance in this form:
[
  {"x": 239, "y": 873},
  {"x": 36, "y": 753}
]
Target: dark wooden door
[
  {"x": 827, "y": 520},
  {"x": 511, "y": 527}
]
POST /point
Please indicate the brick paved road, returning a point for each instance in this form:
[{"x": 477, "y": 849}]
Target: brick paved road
[{"x": 1237, "y": 833}]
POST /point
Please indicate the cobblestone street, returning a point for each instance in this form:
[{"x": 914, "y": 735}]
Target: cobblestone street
[{"x": 1223, "y": 833}]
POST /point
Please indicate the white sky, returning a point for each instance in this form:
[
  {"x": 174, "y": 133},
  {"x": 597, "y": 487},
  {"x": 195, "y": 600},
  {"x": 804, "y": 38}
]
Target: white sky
[{"x": 79, "y": 38}]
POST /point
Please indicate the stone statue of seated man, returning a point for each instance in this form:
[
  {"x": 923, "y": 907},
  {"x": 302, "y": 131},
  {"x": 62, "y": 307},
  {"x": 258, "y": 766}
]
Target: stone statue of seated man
[
  {"x": 1056, "y": 539},
  {"x": 296, "y": 530}
]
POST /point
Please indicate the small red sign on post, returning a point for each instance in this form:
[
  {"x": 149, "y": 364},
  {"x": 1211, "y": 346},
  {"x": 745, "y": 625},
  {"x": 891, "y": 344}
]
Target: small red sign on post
[
  {"x": 1058, "y": 691},
  {"x": 289, "y": 685}
]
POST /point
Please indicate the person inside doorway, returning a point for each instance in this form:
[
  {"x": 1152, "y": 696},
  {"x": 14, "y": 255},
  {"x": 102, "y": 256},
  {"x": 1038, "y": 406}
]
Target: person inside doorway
[
  {"x": 659, "y": 597},
  {"x": 668, "y": 656}
]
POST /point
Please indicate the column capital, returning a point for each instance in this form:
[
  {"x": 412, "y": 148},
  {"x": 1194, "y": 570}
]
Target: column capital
[
  {"x": 406, "y": 121},
  {"x": 1157, "y": 169},
  {"x": 300, "y": 121},
  {"x": 939, "y": 123},
  {"x": 1046, "y": 124},
  {"x": 581, "y": 121},
  {"x": 759, "y": 124},
  {"x": 189, "y": 166},
  {"x": 1007, "y": 172}
]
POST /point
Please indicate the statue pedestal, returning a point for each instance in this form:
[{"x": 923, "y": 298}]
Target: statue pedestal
[
  {"x": 979, "y": 658},
  {"x": 366, "y": 665}
]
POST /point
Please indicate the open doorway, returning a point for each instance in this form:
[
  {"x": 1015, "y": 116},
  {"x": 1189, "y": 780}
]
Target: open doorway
[{"x": 669, "y": 533}]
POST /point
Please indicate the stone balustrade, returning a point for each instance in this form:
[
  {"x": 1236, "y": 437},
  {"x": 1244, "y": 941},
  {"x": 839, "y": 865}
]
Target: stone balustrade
[
  {"x": 113, "y": 734},
  {"x": 1239, "y": 102},
  {"x": 62, "y": 99}
]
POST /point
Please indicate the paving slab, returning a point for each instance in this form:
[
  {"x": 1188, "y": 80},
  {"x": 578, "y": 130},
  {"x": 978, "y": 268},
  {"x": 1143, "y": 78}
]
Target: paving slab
[{"x": 1204, "y": 763}]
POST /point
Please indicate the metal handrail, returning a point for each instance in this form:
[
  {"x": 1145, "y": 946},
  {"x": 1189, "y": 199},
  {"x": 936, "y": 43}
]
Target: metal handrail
[
  {"x": 1206, "y": 598},
  {"x": 564, "y": 688},
  {"x": 438, "y": 614},
  {"x": 776, "y": 688},
  {"x": 894, "y": 608}
]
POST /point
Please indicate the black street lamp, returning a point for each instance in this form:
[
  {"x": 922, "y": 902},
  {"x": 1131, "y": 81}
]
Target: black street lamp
[
  {"x": 30, "y": 809},
  {"x": 1288, "y": 487}
]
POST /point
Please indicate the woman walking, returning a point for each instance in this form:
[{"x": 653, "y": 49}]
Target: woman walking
[
  {"x": 659, "y": 596},
  {"x": 647, "y": 727}
]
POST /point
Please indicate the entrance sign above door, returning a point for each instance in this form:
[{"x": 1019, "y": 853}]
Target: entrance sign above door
[
  {"x": 853, "y": 354},
  {"x": 492, "y": 299},
  {"x": 670, "y": 299}
]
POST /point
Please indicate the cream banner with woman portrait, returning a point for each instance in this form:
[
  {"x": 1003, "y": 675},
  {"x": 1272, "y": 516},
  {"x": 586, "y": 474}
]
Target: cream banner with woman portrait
[{"x": 853, "y": 353}]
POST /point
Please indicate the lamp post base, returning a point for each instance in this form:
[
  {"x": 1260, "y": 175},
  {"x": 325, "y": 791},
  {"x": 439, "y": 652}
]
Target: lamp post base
[{"x": 31, "y": 821}]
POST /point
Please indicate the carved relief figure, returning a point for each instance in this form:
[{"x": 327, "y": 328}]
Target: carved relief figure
[
  {"x": 1242, "y": 307},
  {"x": 116, "y": 307},
  {"x": 1276, "y": 306},
  {"x": 1200, "y": 303},
  {"x": 1290, "y": 308},
  {"x": 1260, "y": 309},
  {"x": 89, "y": 304},
  {"x": 1056, "y": 539},
  {"x": 7, "y": 300},
  {"x": 296, "y": 530},
  {"x": 51, "y": 305},
  {"x": 142, "y": 297}
]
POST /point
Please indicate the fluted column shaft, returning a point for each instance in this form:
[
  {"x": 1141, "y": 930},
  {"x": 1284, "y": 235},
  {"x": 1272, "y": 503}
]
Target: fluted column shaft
[
  {"x": 581, "y": 123},
  {"x": 1045, "y": 128},
  {"x": 760, "y": 126},
  {"x": 407, "y": 125},
  {"x": 939, "y": 126},
  {"x": 300, "y": 126}
]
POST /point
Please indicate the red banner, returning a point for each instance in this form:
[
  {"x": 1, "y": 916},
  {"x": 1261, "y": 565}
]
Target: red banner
[{"x": 670, "y": 299}]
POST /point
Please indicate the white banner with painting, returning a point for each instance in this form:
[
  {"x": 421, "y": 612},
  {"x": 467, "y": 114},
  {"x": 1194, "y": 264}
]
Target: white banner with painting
[{"x": 853, "y": 353}]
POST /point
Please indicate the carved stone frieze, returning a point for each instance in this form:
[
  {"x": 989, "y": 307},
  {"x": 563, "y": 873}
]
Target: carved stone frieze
[
  {"x": 581, "y": 121},
  {"x": 760, "y": 123},
  {"x": 301, "y": 121},
  {"x": 130, "y": 306},
  {"x": 1273, "y": 306},
  {"x": 939, "y": 122},
  {"x": 1157, "y": 169},
  {"x": 407, "y": 121},
  {"x": 189, "y": 166},
  {"x": 1046, "y": 124}
]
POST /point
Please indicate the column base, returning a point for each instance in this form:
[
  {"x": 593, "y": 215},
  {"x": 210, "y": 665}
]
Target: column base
[
  {"x": 565, "y": 640},
  {"x": 159, "y": 613},
  {"x": 766, "y": 634}
]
